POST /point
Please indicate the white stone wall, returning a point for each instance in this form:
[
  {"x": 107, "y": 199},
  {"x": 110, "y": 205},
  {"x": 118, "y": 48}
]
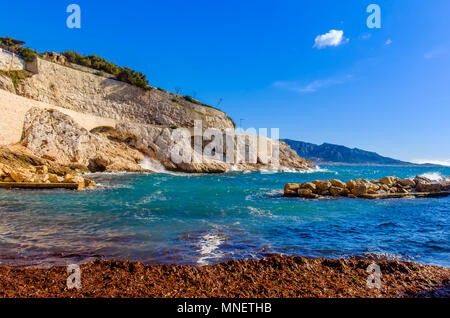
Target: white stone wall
[{"x": 10, "y": 61}]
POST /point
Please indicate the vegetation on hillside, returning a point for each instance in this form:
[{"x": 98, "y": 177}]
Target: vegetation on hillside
[
  {"x": 16, "y": 47},
  {"x": 102, "y": 66},
  {"x": 123, "y": 74},
  {"x": 16, "y": 76}
]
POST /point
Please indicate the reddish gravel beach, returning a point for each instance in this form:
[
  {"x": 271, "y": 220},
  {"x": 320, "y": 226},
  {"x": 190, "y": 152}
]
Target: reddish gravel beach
[{"x": 275, "y": 276}]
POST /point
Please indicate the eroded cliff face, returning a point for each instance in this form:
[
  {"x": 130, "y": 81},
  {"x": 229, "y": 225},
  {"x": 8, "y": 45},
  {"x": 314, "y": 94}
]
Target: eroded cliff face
[
  {"x": 100, "y": 124},
  {"x": 85, "y": 92},
  {"x": 55, "y": 136}
]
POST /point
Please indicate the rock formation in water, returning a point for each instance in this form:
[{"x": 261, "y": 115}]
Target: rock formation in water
[{"x": 387, "y": 187}]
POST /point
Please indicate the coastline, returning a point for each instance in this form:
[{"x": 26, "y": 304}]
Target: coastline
[{"x": 271, "y": 277}]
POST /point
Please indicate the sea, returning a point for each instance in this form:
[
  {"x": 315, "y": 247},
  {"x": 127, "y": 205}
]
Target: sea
[{"x": 201, "y": 219}]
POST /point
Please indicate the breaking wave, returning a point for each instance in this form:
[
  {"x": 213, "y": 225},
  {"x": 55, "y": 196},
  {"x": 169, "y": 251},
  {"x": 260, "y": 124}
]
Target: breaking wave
[
  {"x": 208, "y": 247},
  {"x": 153, "y": 165},
  {"x": 434, "y": 176}
]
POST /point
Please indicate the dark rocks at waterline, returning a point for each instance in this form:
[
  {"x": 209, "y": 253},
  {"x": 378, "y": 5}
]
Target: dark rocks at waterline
[{"x": 384, "y": 188}]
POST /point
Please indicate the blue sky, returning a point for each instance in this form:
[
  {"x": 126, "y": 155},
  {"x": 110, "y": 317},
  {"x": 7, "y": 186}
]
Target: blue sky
[{"x": 385, "y": 90}]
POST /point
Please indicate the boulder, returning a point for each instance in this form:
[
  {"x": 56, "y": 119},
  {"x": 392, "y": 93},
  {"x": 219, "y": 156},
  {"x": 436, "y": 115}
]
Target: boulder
[
  {"x": 360, "y": 189},
  {"x": 308, "y": 185},
  {"x": 408, "y": 183},
  {"x": 426, "y": 185},
  {"x": 7, "y": 84},
  {"x": 322, "y": 185},
  {"x": 351, "y": 184},
  {"x": 306, "y": 193},
  {"x": 21, "y": 176},
  {"x": 41, "y": 178},
  {"x": 53, "y": 178},
  {"x": 420, "y": 179},
  {"x": 68, "y": 178},
  {"x": 78, "y": 180},
  {"x": 393, "y": 190},
  {"x": 362, "y": 181},
  {"x": 429, "y": 187},
  {"x": 336, "y": 191},
  {"x": 56, "y": 136},
  {"x": 445, "y": 186},
  {"x": 338, "y": 183},
  {"x": 42, "y": 169},
  {"x": 303, "y": 192},
  {"x": 390, "y": 181},
  {"x": 89, "y": 184},
  {"x": 291, "y": 188}
]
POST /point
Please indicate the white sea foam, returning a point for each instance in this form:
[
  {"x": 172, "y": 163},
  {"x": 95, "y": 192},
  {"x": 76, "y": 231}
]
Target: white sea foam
[
  {"x": 104, "y": 173},
  {"x": 259, "y": 212},
  {"x": 435, "y": 176},
  {"x": 383, "y": 256},
  {"x": 208, "y": 246},
  {"x": 309, "y": 170},
  {"x": 233, "y": 169},
  {"x": 156, "y": 166},
  {"x": 147, "y": 218},
  {"x": 153, "y": 165},
  {"x": 114, "y": 186},
  {"x": 155, "y": 196}
]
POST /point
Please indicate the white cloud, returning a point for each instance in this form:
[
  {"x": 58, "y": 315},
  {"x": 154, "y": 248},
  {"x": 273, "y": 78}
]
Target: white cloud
[
  {"x": 434, "y": 53},
  {"x": 388, "y": 42},
  {"x": 432, "y": 161},
  {"x": 332, "y": 38},
  {"x": 312, "y": 86}
]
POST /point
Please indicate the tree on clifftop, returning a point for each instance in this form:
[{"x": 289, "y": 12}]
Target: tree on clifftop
[{"x": 16, "y": 46}]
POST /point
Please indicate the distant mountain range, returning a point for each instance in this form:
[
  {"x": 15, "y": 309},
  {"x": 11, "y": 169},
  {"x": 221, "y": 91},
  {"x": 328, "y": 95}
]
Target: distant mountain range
[{"x": 336, "y": 154}]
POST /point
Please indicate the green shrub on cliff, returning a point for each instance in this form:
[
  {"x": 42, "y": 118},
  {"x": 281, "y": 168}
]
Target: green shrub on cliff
[
  {"x": 10, "y": 44},
  {"x": 16, "y": 47},
  {"x": 123, "y": 74},
  {"x": 92, "y": 61},
  {"x": 135, "y": 78},
  {"x": 16, "y": 76},
  {"x": 192, "y": 100},
  {"x": 27, "y": 54}
]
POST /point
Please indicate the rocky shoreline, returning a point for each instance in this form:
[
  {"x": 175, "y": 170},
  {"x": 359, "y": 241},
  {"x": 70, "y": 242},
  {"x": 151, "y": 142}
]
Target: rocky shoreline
[
  {"x": 275, "y": 276},
  {"x": 384, "y": 188},
  {"x": 40, "y": 177}
]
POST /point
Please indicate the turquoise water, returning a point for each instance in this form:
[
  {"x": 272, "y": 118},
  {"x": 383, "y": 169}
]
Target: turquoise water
[{"x": 203, "y": 219}]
